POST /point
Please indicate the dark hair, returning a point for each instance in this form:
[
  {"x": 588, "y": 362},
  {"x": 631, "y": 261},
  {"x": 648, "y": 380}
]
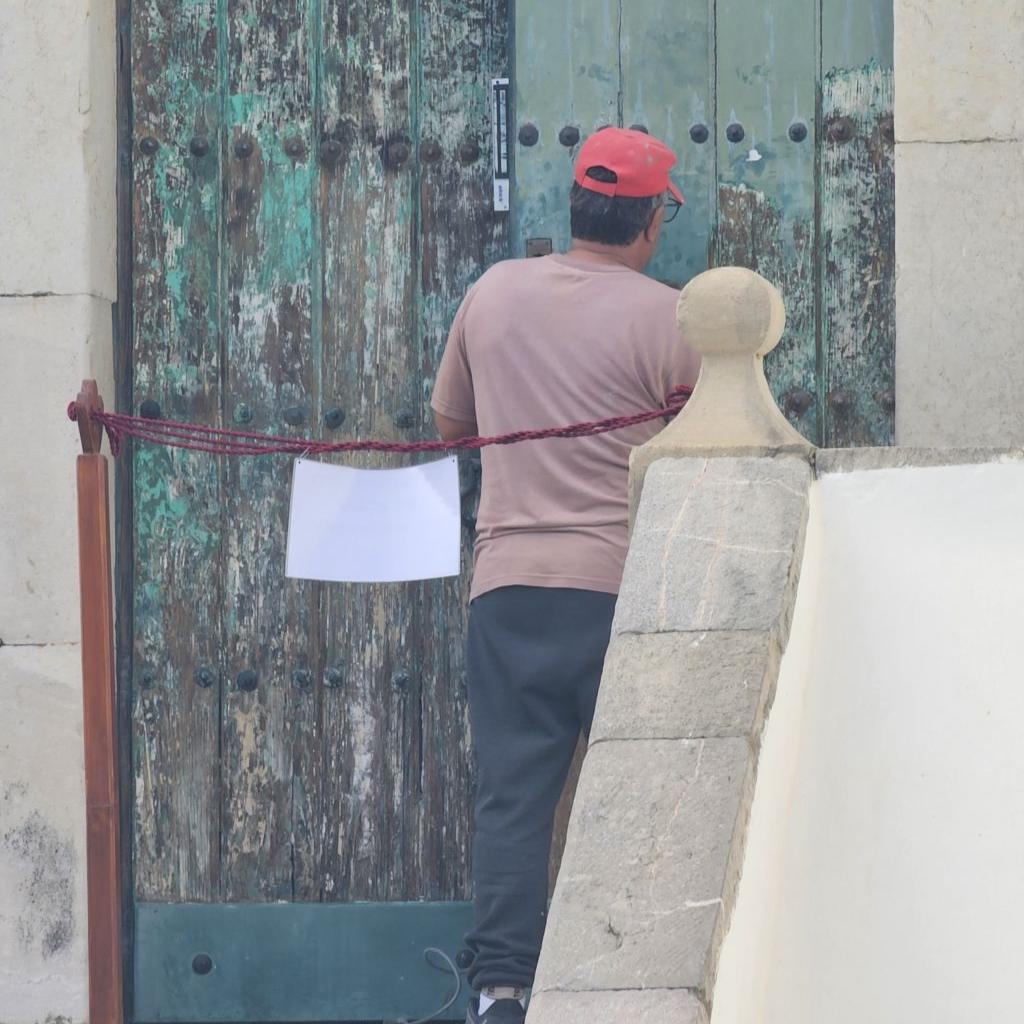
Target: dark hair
[{"x": 611, "y": 220}]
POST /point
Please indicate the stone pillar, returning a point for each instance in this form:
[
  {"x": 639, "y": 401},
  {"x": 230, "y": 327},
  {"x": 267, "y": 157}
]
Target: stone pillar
[
  {"x": 959, "y": 207},
  {"x": 57, "y": 286},
  {"x": 734, "y": 318},
  {"x": 657, "y": 832}
]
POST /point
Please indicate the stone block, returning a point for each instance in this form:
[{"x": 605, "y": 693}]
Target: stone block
[
  {"x": 649, "y": 1006},
  {"x": 959, "y": 70},
  {"x": 960, "y": 295},
  {"x": 48, "y": 344},
  {"x": 685, "y": 685},
  {"x": 715, "y": 545},
  {"x": 645, "y": 865},
  {"x": 42, "y": 836},
  {"x": 58, "y": 163}
]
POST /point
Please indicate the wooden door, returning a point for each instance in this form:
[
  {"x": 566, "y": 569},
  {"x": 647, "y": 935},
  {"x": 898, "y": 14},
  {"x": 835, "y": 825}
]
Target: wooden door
[
  {"x": 311, "y": 196},
  {"x": 781, "y": 113}
]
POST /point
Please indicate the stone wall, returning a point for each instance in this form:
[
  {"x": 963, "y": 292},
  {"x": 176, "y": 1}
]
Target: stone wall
[
  {"x": 959, "y": 208},
  {"x": 656, "y": 838},
  {"x": 57, "y": 285}
]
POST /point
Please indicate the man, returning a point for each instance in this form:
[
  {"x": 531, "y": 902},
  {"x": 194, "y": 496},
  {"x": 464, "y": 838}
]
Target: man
[{"x": 543, "y": 342}]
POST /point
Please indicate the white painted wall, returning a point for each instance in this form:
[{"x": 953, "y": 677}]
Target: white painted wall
[
  {"x": 959, "y": 68},
  {"x": 884, "y": 877},
  {"x": 57, "y": 284}
]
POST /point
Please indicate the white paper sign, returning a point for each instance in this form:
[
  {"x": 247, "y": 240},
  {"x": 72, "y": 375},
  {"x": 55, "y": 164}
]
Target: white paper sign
[{"x": 374, "y": 525}]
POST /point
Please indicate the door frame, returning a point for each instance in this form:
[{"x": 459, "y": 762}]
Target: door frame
[{"x": 123, "y": 517}]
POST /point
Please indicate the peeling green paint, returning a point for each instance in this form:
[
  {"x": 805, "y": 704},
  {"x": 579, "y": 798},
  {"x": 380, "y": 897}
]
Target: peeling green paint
[
  {"x": 176, "y": 362},
  {"x": 858, "y": 259},
  {"x": 266, "y": 283}
]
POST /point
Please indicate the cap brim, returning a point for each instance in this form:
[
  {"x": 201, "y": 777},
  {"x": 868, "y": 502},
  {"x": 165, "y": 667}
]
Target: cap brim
[{"x": 676, "y": 194}]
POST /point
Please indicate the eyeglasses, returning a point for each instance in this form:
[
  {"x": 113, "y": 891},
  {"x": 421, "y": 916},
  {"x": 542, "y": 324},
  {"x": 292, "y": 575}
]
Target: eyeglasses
[{"x": 672, "y": 208}]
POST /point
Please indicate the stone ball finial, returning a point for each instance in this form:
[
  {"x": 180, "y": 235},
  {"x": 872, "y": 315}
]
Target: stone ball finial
[
  {"x": 732, "y": 317},
  {"x": 731, "y": 310}
]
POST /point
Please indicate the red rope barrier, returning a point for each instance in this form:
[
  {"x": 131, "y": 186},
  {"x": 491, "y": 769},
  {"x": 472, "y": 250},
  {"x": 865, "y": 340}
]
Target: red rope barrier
[{"x": 219, "y": 441}]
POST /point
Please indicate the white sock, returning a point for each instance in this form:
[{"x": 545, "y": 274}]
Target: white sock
[{"x": 492, "y": 993}]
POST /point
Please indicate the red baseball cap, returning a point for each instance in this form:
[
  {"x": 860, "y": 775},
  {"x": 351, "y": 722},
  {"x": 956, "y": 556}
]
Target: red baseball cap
[{"x": 640, "y": 162}]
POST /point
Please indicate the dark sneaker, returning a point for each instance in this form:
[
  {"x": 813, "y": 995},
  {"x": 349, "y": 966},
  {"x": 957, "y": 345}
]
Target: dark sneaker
[{"x": 503, "y": 1011}]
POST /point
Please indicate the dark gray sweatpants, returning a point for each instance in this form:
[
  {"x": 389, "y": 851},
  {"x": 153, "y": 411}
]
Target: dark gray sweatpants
[{"x": 534, "y": 660}]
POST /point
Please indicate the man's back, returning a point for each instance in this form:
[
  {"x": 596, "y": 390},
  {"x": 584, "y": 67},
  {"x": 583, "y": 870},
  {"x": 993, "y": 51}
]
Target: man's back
[{"x": 547, "y": 342}]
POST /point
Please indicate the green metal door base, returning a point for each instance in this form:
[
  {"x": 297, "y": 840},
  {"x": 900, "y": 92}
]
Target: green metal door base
[{"x": 259, "y": 962}]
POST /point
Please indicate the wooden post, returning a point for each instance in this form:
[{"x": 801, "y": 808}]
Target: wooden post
[{"x": 102, "y": 805}]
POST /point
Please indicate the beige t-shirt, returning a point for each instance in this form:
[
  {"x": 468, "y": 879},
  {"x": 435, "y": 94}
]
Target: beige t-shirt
[{"x": 546, "y": 342}]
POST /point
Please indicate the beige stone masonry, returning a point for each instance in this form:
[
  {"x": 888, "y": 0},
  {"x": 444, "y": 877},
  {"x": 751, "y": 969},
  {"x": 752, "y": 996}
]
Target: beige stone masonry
[
  {"x": 651, "y": 1006},
  {"x": 733, "y": 317},
  {"x": 657, "y": 833},
  {"x": 959, "y": 70},
  {"x": 42, "y": 836}
]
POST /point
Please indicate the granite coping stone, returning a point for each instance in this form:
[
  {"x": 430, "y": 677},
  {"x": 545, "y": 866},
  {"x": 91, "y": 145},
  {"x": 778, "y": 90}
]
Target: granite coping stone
[
  {"x": 648, "y": 851},
  {"x": 655, "y": 842},
  {"x": 715, "y": 545},
  {"x": 686, "y": 685},
  {"x": 626, "y": 1006}
]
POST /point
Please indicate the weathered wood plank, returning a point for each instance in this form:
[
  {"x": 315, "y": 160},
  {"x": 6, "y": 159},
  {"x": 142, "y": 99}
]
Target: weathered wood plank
[
  {"x": 858, "y": 257},
  {"x": 667, "y": 81},
  {"x": 857, "y": 264},
  {"x": 767, "y": 61},
  {"x": 567, "y": 76},
  {"x": 271, "y": 383},
  {"x": 371, "y": 723},
  {"x": 463, "y": 44},
  {"x": 754, "y": 232},
  {"x": 178, "y": 640}
]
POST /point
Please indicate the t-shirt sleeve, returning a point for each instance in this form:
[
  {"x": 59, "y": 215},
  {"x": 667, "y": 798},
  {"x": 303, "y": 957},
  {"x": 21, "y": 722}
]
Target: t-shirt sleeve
[
  {"x": 678, "y": 362},
  {"x": 682, "y": 365},
  {"x": 453, "y": 387}
]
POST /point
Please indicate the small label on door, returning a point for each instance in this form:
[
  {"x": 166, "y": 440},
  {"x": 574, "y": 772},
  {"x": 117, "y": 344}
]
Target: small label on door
[{"x": 499, "y": 142}]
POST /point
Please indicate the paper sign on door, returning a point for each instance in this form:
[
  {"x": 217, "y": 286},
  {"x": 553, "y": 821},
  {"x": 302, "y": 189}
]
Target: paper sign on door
[{"x": 374, "y": 525}]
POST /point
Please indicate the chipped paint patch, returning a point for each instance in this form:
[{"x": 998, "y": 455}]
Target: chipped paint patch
[
  {"x": 858, "y": 257},
  {"x": 754, "y": 232},
  {"x": 268, "y": 279},
  {"x": 832, "y": 374}
]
